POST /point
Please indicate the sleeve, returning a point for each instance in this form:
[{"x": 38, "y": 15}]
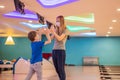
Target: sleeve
[
  {"x": 66, "y": 32},
  {"x": 41, "y": 43}
]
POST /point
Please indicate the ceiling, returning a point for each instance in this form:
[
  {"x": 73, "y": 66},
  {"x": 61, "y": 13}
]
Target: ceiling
[{"x": 104, "y": 12}]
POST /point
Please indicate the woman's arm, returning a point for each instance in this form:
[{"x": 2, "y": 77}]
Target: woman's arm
[{"x": 59, "y": 37}]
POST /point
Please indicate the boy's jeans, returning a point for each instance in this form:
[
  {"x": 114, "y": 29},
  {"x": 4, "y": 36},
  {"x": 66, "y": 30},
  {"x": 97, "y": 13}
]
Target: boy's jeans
[{"x": 36, "y": 67}]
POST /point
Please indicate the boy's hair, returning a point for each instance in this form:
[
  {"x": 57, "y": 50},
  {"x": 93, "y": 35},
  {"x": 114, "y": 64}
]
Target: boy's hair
[{"x": 31, "y": 35}]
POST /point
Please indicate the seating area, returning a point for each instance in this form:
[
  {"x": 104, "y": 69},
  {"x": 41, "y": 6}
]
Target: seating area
[
  {"x": 90, "y": 61},
  {"x": 6, "y": 65}
]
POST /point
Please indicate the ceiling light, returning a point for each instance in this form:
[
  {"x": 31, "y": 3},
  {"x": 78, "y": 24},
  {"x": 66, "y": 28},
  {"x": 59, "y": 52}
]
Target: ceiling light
[
  {"x": 78, "y": 28},
  {"x": 107, "y": 35},
  {"x": 54, "y": 3},
  {"x": 30, "y": 21},
  {"x": 118, "y": 9},
  {"x": 109, "y": 32},
  {"x": 9, "y": 41},
  {"x": 110, "y": 27},
  {"x": 2, "y": 6},
  {"x": 88, "y": 34},
  {"x": 114, "y": 20},
  {"x": 83, "y": 18},
  {"x": 28, "y": 15},
  {"x": 33, "y": 26}
]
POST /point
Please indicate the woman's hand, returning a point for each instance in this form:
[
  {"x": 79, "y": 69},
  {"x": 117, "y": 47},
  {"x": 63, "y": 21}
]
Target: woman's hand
[{"x": 52, "y": 29}]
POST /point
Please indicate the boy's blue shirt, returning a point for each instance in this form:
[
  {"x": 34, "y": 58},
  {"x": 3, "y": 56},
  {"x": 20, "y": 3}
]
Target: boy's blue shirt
[{"x": 36, "y": 51}]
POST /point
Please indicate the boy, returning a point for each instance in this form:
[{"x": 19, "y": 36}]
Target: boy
[{"x": 36, "y": 45}]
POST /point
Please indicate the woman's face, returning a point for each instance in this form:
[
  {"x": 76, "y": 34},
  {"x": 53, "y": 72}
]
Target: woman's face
[{"x": 58, "y": 22}]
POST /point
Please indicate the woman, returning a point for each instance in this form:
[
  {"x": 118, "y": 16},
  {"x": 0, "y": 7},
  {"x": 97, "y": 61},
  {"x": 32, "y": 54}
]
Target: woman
[{"x": 58, "y": 53}]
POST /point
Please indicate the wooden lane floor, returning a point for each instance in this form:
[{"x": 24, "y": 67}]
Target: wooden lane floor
[
  {"x": 110, "y": 72},
  {"x": 72, "y": 73}
]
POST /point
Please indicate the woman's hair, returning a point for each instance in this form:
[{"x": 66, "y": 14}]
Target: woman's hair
[
  {"x": 62, "y": 25},
  {"x": 32, "y": 35}
]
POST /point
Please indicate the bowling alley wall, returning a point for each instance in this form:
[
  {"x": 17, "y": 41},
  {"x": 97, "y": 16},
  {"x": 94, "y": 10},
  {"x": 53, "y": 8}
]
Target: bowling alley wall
[{"x": 107, "y": 49}]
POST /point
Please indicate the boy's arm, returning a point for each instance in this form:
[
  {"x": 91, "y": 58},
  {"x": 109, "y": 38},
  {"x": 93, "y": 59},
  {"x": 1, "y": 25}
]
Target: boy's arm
[
  {"x": 47, "y": 33},
  {"x": 39, "y": 33},
  {"x": 48, "y": 38},
  {"x": 52, "y": 35}
]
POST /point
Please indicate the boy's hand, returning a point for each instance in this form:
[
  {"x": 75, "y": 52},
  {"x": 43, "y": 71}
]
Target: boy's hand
[
  {"x": 39, "y": 31},
  {"x": 42, "y": 31},
  {"x": 46, "y": 31}
]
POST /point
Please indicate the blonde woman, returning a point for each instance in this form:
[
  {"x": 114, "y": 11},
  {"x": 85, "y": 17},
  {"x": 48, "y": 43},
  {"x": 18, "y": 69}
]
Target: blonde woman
[{"x": 58, "y": 52}]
